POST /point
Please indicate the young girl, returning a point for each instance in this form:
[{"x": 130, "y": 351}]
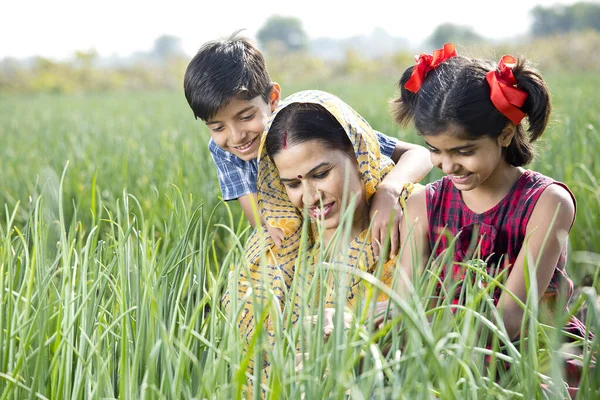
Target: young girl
[{"x": 471, "y": 114}]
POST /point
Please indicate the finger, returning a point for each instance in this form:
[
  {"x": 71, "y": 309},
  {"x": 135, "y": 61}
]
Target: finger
[
  {"x": 394, "y": 240},
  {"x": 376, "y": 243},
  {"x": 377, "y": 322},
  {"x": 311, "y": 319}
]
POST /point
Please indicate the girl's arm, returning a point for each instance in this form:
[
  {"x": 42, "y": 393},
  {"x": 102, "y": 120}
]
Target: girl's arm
[
  {"x": 414, "y": 230},
  {"x": 413, "y": 162},
  {"x": 542, "y": 255},
  {"x": 415, "y": 247}
]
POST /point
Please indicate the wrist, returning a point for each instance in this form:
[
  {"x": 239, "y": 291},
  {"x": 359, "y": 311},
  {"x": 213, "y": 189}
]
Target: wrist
[{"x": 394, "y": 189}]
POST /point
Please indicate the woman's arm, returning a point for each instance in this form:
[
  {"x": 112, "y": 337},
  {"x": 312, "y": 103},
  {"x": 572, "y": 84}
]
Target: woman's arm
[
  {"x": 538, "y": 254},
  {"x": 413, "y": 162}
]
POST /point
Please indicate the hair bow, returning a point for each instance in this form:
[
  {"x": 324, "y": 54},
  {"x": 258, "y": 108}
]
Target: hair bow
[
  {"x": 426, "y": 63},
  {"x": 505, "y": 96}
]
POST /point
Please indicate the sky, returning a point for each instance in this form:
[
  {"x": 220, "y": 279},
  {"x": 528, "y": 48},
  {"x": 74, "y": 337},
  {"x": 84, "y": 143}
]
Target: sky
[{"x": 57, "y": 28}]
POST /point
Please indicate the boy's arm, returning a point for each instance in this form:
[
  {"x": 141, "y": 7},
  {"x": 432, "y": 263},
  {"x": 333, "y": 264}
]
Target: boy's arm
[
  {"x": 413, "y": 162},
  {"x": 248, "y": 203}
]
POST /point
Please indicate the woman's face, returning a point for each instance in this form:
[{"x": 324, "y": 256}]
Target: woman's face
[{"x": 316, "y": 178}]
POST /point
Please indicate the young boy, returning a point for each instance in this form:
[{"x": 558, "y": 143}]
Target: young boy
[{"x": 227, "y": 85}]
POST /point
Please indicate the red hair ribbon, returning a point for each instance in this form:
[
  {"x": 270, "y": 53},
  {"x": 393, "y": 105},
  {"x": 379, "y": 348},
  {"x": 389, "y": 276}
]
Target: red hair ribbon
[
  {"x": 505, "y": 96},
  {"x": 426, "y": 63}
]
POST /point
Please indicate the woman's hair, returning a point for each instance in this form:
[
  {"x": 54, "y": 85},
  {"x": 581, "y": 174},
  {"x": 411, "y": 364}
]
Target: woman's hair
[
  {"x": 300, "y": 122},
  {"x": 455, "y": 96}
]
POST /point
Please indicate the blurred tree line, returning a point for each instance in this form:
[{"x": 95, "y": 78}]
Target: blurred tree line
[
  {"x": 562, "y": 38},
  {"x": 161, "y": 68}
]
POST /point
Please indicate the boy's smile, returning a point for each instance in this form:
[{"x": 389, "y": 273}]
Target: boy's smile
[{"x": 238, "y": 126}]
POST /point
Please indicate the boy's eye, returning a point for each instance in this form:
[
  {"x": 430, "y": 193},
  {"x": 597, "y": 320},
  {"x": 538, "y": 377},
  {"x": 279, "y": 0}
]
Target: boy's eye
[
  {"x": 466, "y": 153},
  {"x": 247, "y": 117},
  {"x": 432, "y": 150},
  {"x": 218, "y": 128},
  {"x": 321, "y": 175}
]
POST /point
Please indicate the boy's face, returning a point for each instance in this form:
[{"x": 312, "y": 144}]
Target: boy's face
[{"x": 237, "y": 128}]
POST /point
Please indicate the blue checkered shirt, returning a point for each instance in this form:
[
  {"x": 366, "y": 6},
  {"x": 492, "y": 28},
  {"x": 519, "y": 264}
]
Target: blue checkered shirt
[{"x": 237, "y": 177}]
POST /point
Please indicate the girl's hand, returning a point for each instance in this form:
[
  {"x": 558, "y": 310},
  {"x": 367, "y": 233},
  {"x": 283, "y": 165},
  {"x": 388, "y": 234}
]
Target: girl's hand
[{"x": 384, "y": 204}]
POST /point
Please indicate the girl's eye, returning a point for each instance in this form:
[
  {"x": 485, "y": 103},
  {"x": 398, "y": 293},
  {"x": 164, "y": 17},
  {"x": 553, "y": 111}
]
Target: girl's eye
[
  {"x": 435, "y": 151},
  {"x": 321, "y": 175},
  {"x": 466, "y": 153},
  {"x": 292, "y": 185}
]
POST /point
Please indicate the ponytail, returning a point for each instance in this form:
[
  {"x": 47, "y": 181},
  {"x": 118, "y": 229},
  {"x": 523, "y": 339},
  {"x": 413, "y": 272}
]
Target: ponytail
[
  {"x": 537, "y": 107},
  {"x": 403, "y": 108}
]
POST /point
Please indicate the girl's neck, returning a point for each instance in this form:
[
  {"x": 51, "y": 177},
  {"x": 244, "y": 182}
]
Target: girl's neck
[{"x": 493, "y": 190}]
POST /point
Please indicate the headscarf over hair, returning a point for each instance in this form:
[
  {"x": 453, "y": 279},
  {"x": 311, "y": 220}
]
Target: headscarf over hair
[{"x": 273, "y": 202}]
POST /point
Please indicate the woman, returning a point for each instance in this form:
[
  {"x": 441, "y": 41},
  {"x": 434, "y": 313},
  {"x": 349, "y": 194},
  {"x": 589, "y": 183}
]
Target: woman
[{"x": 319, "y": 159}]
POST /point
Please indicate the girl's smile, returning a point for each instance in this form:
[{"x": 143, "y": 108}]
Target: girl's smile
[{"x": 476, "y": 167}]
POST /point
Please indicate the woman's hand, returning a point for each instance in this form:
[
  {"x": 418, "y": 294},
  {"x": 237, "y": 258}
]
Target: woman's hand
[
  {"x": 382, "y": 313},
  {"x": 328, "y": 321},
  {"x": 384, "y": 205}
]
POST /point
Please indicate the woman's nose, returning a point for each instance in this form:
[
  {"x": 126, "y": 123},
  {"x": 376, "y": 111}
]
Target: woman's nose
[{"x": 310, "y": 194}]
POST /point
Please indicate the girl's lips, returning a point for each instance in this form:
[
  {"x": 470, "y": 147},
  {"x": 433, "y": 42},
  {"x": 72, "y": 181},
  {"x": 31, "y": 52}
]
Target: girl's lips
[
  {"x": 460, "y": 179},
  {"x": 318, "y": 212}
]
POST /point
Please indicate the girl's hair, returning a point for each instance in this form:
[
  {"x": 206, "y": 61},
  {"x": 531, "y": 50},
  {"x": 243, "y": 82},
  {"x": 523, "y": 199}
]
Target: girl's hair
[
  {"x": 300, "y": 122},
  {"x": 456, "y": 96}
]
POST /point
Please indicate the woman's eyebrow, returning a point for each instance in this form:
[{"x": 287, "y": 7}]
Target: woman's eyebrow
[{"x": 309, "y": 172}]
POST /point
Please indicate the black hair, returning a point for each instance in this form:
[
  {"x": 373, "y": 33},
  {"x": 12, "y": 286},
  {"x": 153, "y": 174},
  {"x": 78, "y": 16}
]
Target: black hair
[
  {"x": 223, "y": 70},
  {"x": 456, "y": 97},
  {"x": 300, "y": 122}
]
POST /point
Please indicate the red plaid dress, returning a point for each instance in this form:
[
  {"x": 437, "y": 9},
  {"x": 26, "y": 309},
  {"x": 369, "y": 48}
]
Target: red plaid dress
[{"x": 496, "y": 236}]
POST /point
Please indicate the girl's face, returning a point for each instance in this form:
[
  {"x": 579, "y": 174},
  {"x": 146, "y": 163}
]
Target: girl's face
[
  {"x": 314, "y": 175},
  {"x": 470, "y": 164}
]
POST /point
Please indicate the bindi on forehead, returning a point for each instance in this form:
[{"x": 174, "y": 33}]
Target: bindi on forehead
[{"x": 299, "y": 176}]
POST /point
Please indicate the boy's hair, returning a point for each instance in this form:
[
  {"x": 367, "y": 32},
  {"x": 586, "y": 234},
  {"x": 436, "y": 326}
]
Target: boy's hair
[
  {"x": 455, "y": 96},
  {"x": 223, "y": 70},
  {"x": 300, "y": 122}
]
